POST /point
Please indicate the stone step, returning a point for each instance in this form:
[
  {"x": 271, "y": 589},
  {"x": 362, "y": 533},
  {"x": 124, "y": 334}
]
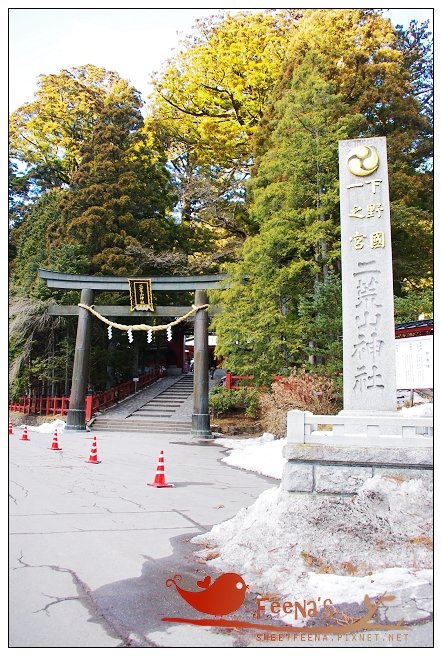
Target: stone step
[
  {"x": 185, "y": 388},
  {"x": 171, "y": 430},
  {"x": 145, "y": 418},
  {"x": 179, "y": 399},
  {"x": 177, "y": 389},
  {"x": 158, "y": 404},
  {"x": 181, "y": 386},
  {"x": 141, "y": 420},
  {"x": 156, "y": 415},
  {"x": 169, "y": 394},
  {"x": 164, "y": 408},
  {"x": 148, "y": 427},
  {"x": 173, "y": 389},
  {"x": 164, "y": 395},
  {"x": 153, "y": 414},
  {"x": 137, "y": 422},
  {"x": 183, "y": 395},
  {"x": 166, "y": 404}
]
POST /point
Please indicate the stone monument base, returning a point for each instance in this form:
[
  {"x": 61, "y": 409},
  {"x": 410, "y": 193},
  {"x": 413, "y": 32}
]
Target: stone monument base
[{"x": 341, "y": 470}]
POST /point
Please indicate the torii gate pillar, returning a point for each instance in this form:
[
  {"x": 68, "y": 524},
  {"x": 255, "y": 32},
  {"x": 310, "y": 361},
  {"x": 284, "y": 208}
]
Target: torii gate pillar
[
  {"x": 201, "y": 417},
  {"x": 76, "y": 418}
]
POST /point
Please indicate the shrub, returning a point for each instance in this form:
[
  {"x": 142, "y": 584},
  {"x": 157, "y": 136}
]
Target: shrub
[
  {"x": 223, "y": 401},
  {"x": 247, "y": 399},
  {"x": 220, "y": 401},
  {"x": 300, "y": 391}
]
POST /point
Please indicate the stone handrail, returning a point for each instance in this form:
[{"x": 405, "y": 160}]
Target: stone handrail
[{"x": 359, "y": 430}]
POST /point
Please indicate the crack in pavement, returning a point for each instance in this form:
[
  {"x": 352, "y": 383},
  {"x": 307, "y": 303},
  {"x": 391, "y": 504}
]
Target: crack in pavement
[
  {"x": 105, "y": 530},
  {"x": 139, "y": 505},
  {"x": 114, "y": 512},
  {"x": 113, "y": 629},
  {"x": 95, "y": 505},
  {"x": 25, "y": 490},
  {"x": 58, "y": 600},
  {"x": 117, "y": 496},
  {"x": 189, "y": 519}
]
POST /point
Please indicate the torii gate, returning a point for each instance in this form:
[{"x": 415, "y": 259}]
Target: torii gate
[{"x": 88, "y": 285}]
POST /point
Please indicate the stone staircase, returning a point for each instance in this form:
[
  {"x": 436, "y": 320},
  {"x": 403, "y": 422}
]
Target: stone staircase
[{"x": 165, "y": 407}]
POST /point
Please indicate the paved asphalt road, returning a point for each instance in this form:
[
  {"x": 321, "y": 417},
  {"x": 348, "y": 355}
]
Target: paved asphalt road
[{"x": 91, "y": 546}]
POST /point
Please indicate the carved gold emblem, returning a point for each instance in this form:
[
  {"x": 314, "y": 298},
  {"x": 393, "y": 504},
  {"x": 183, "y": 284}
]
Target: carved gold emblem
[
  {"x": 363, "y": 160},
  {"x": 140, "y": 294}
]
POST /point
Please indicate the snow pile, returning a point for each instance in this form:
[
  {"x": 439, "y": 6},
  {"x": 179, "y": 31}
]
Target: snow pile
[
  {"x": 262, "y": 455},
  {"x": 48, "y": 427},
  {"x": 309, "y": 546},
  {"x": 305, "y": 546},
  {"x": 421, "y": 410}
]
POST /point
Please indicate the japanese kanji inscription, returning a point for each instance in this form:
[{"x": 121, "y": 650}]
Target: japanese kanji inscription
[{"x": 367, "y": 279}]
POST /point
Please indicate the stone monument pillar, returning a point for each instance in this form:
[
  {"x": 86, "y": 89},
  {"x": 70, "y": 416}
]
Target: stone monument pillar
[
  {"x": 200, "y": 416},
  {"x": 369, "y": 437},
  {"x": 367, "y": 278},
  {"x": 76, "y": 414}
]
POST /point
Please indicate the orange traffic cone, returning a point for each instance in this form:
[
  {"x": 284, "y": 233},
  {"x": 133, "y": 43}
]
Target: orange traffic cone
[
  {"x": 54, "y": 446},
  {"x": 160, "y": 479},
  {"x": 25, "y": 435},
  {"x": 93, "y": 456},
  {"x": 10, "y": 428}
]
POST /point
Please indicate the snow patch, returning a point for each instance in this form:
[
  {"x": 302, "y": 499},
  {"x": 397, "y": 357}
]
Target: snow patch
[
  {"x": 262, "y": 455},
  {"x": 48, "y": 427},
  {"x": 421, "y": 410}
]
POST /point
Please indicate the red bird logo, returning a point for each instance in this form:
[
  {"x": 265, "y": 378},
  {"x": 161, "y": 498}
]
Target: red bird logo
[{"x": 223, "y": 596}]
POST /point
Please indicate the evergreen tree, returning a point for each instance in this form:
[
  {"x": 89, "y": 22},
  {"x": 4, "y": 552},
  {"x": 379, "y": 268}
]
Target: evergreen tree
[
  {"x": 120, "y": 194},
  {"x": 414, "y": 304},
  {"x": 295, "y": 205},
  {"x": 385, "y": 75},
  {"x": 320, "y": 317},
  {"x": 46, "y": 134},
  {"x": 36, "y": 249}
]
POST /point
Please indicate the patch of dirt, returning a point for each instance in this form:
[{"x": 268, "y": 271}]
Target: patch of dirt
[{"x": 237, "y": 425}]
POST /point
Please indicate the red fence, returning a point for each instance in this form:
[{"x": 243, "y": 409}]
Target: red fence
[
  {"x": 59, "y": 405},
  {"x": 231, "y": 381},
  {"x": 41, "y": 405}
]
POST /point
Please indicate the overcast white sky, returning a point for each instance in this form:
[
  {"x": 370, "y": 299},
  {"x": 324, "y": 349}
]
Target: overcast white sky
[{"x": 133, "y": 42}]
